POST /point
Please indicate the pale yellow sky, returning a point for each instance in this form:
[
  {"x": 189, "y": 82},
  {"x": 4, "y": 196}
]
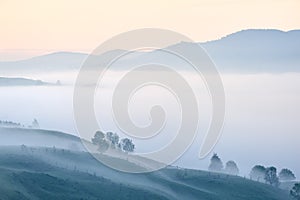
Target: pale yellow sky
[{"x": 35, "y": 26}]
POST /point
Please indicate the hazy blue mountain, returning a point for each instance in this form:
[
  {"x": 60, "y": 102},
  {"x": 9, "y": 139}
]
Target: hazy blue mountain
[
  {"x": 247, "y": 51},
  {"x": 58, "y": 61},
  {"x": 257, "y": 51},
  {"x": 46, "y": 168},
  {"x": 5, "y": 81}
]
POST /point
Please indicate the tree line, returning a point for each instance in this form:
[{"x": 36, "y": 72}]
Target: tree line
[
  {"x": 258, "y": 173},
  {"x": 11, "y": 124},
  {"x": 104, "y": 141}
]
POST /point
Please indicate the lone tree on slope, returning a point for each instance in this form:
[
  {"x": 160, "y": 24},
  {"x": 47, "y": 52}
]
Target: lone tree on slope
[
  {"x": 231, "y": 168},
  {"x": 216, "y": 165},
  {"x": 127, "y": 145},
  {"x": 98, "y": 137},
  {"x": 271, "y": 176},
  {"x": 100, "y": 141},
  {"x": 113, "y": 138},
  {"x": 35, "y": 124},
  {"x": 258, "y": 172},
  {"x": 286, "y": 175}
]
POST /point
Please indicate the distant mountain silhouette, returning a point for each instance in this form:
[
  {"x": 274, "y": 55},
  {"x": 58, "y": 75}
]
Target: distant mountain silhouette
[
  {"x": 257, "y": 51},
  {"x": 4, "y": 81},
  {"x": 54, "y": 61},
  {"x": 247, "y": 51}
]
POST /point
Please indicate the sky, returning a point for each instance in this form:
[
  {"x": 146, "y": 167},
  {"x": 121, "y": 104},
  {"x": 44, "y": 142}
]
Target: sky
[{"x": 33, "y": 27}]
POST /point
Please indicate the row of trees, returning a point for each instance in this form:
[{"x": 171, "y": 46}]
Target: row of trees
[
  {"x": 112, "y": 140},
  {"x": 216, "y": 165},
  {"x": 258, "y": 172},
  {"x": 11, "y": 124},
  {"x": 269, "y": 174}
]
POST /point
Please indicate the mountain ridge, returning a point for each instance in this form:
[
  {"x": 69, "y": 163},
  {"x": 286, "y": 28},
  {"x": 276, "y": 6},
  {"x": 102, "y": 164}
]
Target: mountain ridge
[
  {"x": 245, "y": 51},
  {"x": 20, "y": 81}
]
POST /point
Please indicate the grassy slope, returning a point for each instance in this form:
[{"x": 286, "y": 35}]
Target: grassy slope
[
  {"x": 25, "y": 176},
  {"x": 51, "y": 173},
  {"x": 221, "y": 186},
  {"x": 30, "y": 185}
]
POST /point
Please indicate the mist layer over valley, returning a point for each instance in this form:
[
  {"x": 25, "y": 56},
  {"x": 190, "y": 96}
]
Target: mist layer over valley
[
  {"x": 257, "y": 106},
  {"x": 40, "y": 142}
]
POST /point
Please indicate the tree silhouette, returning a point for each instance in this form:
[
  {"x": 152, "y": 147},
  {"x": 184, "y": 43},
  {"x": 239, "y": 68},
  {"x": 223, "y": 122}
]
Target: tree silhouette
[
  {"x": 295, "y": 192},
  {"x": 99, "y": 140},
  {"x": 216, "y": 164},
  {"x": 127, "y": 145},
  {"x": 231, "y": 168},
  {"x": 113, "y": 138},
  {"x": 271, "y": 176},
  {"x": 98, "y": 137},
  {"x": 258, "y": 172},
  {"x": 286, "y": 175},
  {"x": 35, "y": 124}
]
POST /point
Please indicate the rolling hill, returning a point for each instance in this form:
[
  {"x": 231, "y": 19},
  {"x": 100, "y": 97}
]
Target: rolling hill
[{"x": 45, "y": 166}]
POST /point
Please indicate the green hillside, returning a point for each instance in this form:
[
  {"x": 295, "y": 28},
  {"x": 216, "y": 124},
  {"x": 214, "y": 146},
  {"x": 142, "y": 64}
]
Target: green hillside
[
  {"x": 45, "y": 173},
  {"x": 48, "y": 172}
]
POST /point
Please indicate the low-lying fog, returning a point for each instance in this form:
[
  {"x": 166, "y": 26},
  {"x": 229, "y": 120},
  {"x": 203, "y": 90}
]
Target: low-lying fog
[{"x": 261, "y": 126}]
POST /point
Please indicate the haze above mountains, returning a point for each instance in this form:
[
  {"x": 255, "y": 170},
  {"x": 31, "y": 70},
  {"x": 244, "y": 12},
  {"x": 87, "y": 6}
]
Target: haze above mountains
[{"x": 247, "y": 51}]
